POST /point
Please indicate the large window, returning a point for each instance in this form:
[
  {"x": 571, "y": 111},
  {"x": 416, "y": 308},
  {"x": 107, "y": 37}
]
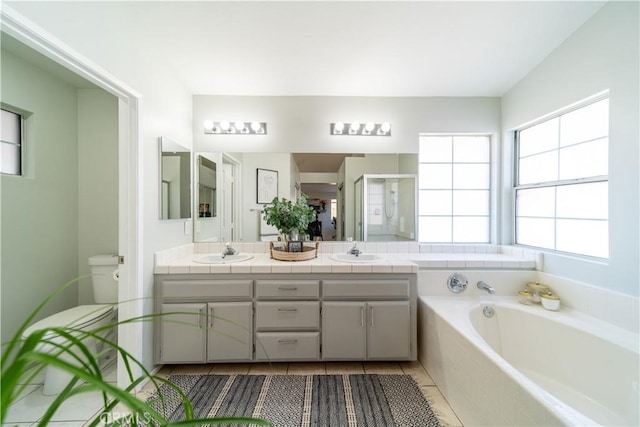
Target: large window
[
  {"x": 562, "y": 182},
  {"x": 454, "y": 189},
  {"x": 10, "y": 143}
]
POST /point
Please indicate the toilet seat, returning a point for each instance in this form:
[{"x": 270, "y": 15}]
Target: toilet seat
[{"x": 78, "y": 317}]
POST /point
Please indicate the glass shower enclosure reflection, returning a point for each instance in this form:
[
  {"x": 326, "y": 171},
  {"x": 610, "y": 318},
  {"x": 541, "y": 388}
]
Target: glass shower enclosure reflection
[{"x": 386, "y": 207}]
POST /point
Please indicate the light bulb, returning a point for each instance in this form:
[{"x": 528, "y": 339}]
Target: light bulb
[
  {"x": 239, "y": 125},
  {"x": 385, "y": 127},
  {"x": 369, "y": 127},
  {"x": 225, "y": 125},
  {"x": 256, "y": 127},
  {"x": 354, "y": 127},
  {"x": 338, "y": 127},
  {"x": 208, "y": 125}
]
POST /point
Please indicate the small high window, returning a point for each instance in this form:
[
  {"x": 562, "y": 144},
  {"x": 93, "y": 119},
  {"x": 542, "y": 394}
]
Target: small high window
[{"x": 10, "y": 143}]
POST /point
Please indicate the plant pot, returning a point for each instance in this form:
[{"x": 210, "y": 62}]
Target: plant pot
[{"x": 290, "y": 237}]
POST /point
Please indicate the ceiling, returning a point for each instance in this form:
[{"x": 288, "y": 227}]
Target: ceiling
[
  {"x": 321, "y": 162},
  {"x": 331, "y": 48}
]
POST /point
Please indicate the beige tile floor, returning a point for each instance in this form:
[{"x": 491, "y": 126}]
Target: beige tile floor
[{"x": 32, "y": 404}]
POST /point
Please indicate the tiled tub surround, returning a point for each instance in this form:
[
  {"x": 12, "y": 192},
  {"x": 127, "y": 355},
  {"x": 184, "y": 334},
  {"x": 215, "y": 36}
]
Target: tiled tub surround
[{"x": 484, "y": 388}]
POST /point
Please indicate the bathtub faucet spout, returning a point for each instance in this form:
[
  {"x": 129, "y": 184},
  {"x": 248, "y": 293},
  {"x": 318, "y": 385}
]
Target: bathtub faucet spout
[{"x": 485, "y": 287}]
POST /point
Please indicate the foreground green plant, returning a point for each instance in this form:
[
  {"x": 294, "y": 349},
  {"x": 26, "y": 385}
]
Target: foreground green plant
[{"x": 24, "y": 358}]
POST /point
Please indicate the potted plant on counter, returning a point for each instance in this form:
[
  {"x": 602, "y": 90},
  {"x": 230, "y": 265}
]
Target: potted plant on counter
[{"x": 288, "y": 217}]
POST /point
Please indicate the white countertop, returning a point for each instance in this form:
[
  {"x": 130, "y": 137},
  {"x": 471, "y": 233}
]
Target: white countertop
[{"x": 390, "y": 263}]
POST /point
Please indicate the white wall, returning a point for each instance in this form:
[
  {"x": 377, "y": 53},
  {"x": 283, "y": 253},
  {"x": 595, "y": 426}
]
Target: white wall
[
  {"x": 603, "y": 54},
  {"x": 40, "y": 210},
  {"x": 97, "y": 179},
  {"x": 301, "y": 123}
]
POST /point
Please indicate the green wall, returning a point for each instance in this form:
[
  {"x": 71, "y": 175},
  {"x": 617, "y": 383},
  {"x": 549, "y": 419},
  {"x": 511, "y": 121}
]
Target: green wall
[
  {"x": 65, "y": 208},
  {"x": 39, "y": 213}
]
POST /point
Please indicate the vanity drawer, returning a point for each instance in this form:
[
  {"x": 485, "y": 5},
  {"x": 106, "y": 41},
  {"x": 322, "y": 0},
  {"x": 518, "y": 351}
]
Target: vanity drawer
[
  {"x": 292, "y": 346},
  {"x": 186, "y": 290},
  {"x": 287, "y": 289},
  {"x": 357, "y": 289},
  {"x": 287, "y": 315}
]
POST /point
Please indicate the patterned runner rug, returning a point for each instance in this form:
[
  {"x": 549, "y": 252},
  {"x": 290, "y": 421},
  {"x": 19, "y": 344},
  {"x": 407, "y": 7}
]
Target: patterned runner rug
[{"x": 304, "y": 400}]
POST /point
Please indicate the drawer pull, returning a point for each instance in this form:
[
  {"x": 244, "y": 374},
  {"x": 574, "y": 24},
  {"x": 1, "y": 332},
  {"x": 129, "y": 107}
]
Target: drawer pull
[
  {"x": 287, "y": 288},
  {"x": 362, "y": 317},
  {"x": 288, "y": 309},
  {"x": 211, "y": 316},
  {"x": 200, "y": 316},
  {"x": 288, "y": 341},
  {"x": 371, "y": 313}
]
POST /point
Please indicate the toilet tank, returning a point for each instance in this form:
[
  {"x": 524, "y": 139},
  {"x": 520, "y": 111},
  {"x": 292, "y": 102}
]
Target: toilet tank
[{"x": 104, "y": 270}]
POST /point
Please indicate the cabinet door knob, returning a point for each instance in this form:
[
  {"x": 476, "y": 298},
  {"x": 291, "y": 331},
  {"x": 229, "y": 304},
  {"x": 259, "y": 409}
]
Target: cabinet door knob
[{"x": 200, "y": 318}]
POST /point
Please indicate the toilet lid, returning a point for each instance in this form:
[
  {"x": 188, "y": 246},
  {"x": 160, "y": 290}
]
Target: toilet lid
[
  {"x": 103, "y": 260},
  {"x": 77, "y": 317}
]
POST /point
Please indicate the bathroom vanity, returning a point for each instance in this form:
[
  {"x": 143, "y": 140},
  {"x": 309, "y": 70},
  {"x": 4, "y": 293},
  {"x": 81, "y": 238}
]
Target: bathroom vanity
[{"x": 247, "y": 317}]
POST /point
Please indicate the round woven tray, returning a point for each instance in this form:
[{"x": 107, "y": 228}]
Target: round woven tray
[{"x": 308, "y": 252}]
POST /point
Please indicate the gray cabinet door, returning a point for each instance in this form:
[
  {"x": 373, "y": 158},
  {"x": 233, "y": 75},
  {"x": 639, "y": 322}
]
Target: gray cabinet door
[
  {"x": 230, "y": 331},
  {"x": 388, "y": 330},
  {"x": 183, "y": 333},
  {"x": 343, "y": 330}
]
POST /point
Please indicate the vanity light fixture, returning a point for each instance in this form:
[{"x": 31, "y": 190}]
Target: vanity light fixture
[
  {"x": 337, "y": 128},
  {"x": 238, "y": 127},
  {"x": 356, "y": 128},
  {"x": 384, "y": 129}
]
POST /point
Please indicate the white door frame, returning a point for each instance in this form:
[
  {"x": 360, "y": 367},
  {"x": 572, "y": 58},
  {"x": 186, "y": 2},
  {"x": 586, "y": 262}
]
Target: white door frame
[{"x": 129, "y": 209}]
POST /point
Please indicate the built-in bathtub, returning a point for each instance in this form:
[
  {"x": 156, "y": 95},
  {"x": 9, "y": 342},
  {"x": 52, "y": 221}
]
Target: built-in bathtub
[{"x": 528, "y": 366}]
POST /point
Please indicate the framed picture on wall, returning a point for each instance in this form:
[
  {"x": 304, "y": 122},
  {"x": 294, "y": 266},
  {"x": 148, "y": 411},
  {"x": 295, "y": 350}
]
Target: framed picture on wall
[{"x": 267, "y": 185}]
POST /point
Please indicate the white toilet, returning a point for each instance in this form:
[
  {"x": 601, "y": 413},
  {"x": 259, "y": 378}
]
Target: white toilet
[{"x": 104, "y": 278}]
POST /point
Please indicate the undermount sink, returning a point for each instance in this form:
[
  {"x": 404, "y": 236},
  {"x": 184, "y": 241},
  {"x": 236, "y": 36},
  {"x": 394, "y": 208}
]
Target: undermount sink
[
  {"x": 219, "y": 259},
  {"x": 354, "y": 258}
]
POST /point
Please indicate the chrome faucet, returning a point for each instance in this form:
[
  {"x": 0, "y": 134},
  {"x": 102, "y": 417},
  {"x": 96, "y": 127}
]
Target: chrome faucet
[
  {"x": 485, "y": 287},
  {"x": 354, "y": 250},
  {"x": 228, "y": 250}
]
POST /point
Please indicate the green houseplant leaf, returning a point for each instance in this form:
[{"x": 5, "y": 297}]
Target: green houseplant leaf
[
  {"x": 288, "y": 216},
  {"x": 25, "y": 357}
]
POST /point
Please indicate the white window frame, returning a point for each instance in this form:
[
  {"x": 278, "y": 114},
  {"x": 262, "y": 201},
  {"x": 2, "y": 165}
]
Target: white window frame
[
  {"x": 20, "y": 142},
  {"x": 490, "y": 189},
  {"x": 557, "y": 183}
]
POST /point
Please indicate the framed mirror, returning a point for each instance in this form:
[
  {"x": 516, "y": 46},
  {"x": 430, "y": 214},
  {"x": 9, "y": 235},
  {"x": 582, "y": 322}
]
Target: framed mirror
[{"x": 175, "y": 180}]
